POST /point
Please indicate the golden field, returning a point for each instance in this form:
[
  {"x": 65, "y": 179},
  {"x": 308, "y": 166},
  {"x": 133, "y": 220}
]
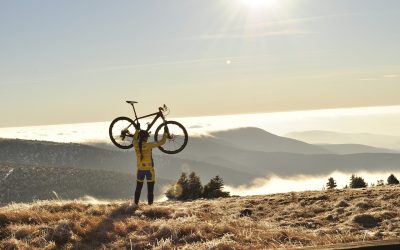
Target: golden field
[{"x": 284, "y": 220}]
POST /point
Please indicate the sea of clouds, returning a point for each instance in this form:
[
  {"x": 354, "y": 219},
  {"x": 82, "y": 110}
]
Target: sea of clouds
[{"x": 376, "y": 120}]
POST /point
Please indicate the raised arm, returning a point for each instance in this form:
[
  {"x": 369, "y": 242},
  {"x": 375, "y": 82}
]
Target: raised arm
[
  {"x": 161, "y": 142},
  {"x": 136, "y": 137}
]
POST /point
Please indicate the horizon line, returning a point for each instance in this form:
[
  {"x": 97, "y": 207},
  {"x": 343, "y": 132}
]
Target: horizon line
[{"x": 366, "y": 110}]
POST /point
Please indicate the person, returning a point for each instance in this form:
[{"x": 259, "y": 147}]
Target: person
[{"x": 145, "y": 163}]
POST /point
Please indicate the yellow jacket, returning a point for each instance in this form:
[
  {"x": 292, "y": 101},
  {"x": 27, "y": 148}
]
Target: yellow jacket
[{"x": 147, "y": 162}]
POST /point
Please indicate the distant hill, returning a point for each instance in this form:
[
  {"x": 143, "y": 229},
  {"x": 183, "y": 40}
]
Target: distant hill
[
  {"x": 328, "y": 137},
  {"x": 51, "y": 154},
  {"x": 207, "y": 156},
  {"x": 257, "y": 139},
  {"x": 215, "y": 151},
  {"x": 22, "y": 183},
  {"x": 355, "y": 149}
]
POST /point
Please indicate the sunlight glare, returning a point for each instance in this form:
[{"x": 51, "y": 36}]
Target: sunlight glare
[{"x": 259, "y": 4}]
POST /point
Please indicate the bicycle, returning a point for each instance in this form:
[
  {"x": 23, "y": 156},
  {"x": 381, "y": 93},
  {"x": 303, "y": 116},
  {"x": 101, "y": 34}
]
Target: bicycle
[{"x": 122, "y": 129}]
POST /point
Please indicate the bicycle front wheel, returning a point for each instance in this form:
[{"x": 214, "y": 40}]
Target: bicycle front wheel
[
  {"x": 121, "y": 132},
  {"x": 177, "y": 140}
]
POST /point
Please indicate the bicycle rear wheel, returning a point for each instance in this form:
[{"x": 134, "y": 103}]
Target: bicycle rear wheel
[
  {"x": 178, "y": 137},
  {"x": 121, "y": 132}
]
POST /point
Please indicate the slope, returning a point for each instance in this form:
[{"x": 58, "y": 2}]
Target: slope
[{"x": 313, "y": 218}]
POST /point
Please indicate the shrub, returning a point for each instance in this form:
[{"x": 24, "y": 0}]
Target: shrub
[
  {"x": 392, "y": 180},
  {"x": 357, "y": 182},
  {"x": 186, "y": 188},
  {"x": 380, "y": 183},
  {"x": 179, "y": 191},
  {"x": 191, "y": 188}
]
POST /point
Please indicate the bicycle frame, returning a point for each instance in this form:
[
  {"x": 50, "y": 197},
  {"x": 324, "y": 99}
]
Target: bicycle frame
[{"x": 157, "y": 115}]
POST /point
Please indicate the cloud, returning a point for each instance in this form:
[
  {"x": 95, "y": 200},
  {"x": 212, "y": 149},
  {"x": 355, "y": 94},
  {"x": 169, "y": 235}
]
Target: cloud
[
  {"x": 388, "y": 76},
  {"x": 369, "y": 79},
  {"x": 248, "y": 35},
  {"x": 289, "y": 21},
  {"x": 391, "y": 76},
  {"x": 222, "y": 60},
  {"x": 277, "y": 184}
]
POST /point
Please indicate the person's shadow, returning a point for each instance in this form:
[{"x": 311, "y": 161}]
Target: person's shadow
[{"x": 104, "y": 231}]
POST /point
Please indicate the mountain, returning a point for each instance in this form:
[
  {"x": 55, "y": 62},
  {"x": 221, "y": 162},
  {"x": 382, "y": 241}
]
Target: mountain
[
  {"x": 328, "y": 137},
  {"x": 257, "y": 139},
  {"x": 51, "y": 154},
  {"x": 207, "y": 156},
  {"x": 215, "y": 151},
  {"x": 289, "y": 164},
  {"x": 355, "y": 149}
]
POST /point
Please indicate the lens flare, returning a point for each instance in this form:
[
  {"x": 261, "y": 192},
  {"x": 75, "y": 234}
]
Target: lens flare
[{"x": 259, "y": 4}]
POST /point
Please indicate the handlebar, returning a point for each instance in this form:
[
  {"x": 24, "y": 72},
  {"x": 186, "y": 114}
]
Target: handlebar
[{"x": 163, "y": 108}]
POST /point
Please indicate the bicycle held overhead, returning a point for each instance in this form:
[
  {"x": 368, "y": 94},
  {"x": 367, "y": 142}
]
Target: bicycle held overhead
[{"x": 123, "y": 128}]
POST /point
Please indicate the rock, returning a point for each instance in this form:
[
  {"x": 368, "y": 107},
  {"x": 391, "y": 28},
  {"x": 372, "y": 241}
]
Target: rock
[{"x": 246, "y": 212}]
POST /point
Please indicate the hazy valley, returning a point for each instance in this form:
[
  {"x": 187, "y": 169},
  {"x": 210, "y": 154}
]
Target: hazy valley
[{"x": 239, "y": 156}]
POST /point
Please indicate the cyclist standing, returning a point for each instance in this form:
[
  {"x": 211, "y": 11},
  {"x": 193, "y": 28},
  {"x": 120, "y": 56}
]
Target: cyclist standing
[{"x": 145, "y": 163}]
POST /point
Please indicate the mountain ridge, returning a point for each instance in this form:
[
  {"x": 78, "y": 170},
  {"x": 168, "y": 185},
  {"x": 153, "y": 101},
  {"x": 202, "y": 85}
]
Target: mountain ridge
[
  {"x": 331, "y": 137},
  {"x": 256, "y": 139}
]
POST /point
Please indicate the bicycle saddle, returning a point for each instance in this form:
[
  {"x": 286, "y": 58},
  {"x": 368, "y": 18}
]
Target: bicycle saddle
[{"x": 131, "y": 102}]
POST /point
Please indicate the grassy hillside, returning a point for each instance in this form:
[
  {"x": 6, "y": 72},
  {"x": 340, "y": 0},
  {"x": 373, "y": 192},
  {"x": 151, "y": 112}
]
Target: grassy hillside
[{"x": 254, "y": 222}]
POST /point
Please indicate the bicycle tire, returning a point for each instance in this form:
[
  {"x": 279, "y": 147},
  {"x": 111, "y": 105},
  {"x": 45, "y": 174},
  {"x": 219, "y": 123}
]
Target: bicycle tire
[
  {"x": 181, "y": 129},
  {"x": 119, "y": 133}
]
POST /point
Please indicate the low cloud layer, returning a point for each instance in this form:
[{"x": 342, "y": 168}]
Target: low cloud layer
[
  {"x": 276, "y": 184},
  {"x": 375, "y": 120}
]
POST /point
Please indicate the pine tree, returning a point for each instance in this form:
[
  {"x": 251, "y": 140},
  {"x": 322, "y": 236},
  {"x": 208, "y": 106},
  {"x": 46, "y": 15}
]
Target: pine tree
[
  {"x": 183, "y": 183},
  {"x": 195, "y": 189},
  {"x": 357, "y": 182},
  {"x": 213, "y": 189},
  {"x": 380, "y": 183},
  {"x": 331, "y": 184},
  {"x": 392, "y": 180}
]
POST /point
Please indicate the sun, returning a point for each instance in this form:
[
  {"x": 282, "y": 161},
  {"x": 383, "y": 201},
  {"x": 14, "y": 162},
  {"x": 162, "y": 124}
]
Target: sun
[{"x": 259, "y": 4}]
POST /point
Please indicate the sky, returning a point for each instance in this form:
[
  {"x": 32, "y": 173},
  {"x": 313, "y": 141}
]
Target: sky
[{"x": 77, "y": 61}]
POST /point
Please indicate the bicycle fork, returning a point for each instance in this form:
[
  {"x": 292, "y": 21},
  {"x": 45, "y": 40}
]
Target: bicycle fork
[{"x": 166, "y": 127}]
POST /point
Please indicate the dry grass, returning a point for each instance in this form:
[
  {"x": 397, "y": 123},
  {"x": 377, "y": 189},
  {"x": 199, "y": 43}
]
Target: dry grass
[{"x": 253, "y": 222}]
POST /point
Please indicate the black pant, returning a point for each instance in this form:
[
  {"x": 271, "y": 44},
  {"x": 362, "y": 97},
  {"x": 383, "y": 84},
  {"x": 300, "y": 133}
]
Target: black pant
[{"x": 150, "y": 192}]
